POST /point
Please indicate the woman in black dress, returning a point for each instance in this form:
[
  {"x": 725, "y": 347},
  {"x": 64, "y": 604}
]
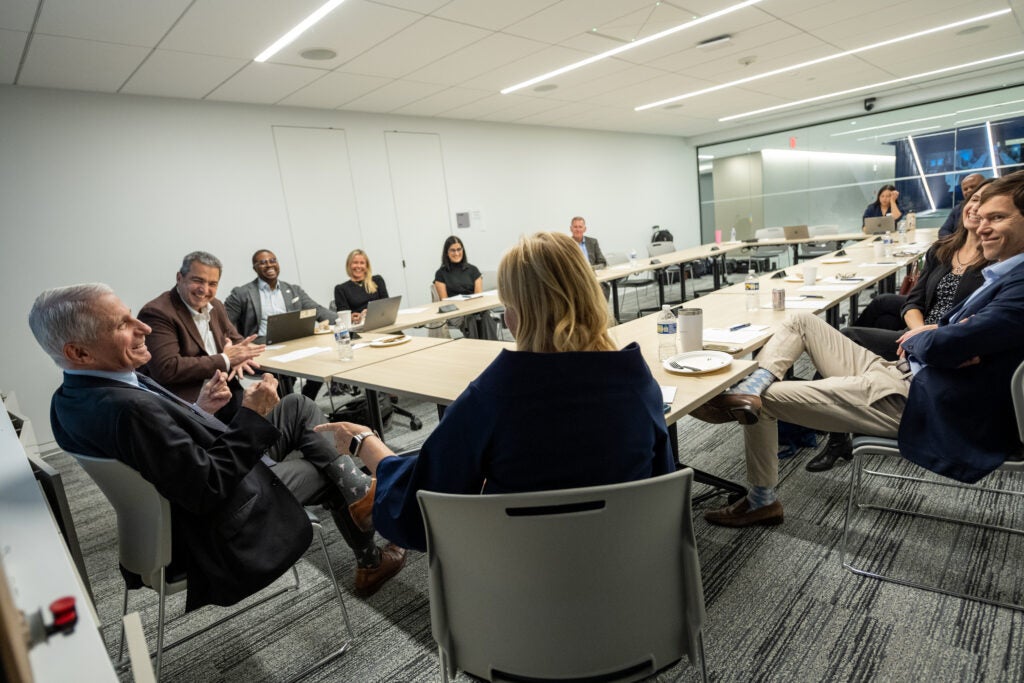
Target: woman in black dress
[
  {"x": 456, "y": 277},
  {"x": 362, "y": 287}
]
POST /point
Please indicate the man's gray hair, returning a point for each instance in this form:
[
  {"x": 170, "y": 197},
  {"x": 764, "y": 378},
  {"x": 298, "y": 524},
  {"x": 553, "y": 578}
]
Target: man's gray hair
[
  {"x": 204, "y": 257},
  {"x": 66, "y": 314}
]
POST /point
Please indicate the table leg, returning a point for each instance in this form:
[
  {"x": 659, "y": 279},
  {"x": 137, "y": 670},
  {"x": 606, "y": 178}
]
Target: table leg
[
  {"x": 615, "y": 300},
  {"x": 854, "y": 308},
  {"x": 832, "y": 316},
  {"x": 373, "y": 410},
  {"x": 735, "y": 491}
]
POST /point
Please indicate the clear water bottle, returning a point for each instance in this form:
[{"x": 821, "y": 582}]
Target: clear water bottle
[
  {"x": 753, "y": 289},
  {"x": 632, "y": 258},
  {"x": 666, "y": 333},
  {"x": 343, "y": 340},
  {"x": 911, "y": 221},
  {"x": 901, "y": 231},
  {"x": 887, "y": 244},
  {"x": 732, "y": 235}
]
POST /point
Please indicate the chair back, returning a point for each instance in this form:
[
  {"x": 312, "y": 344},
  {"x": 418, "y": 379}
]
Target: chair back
[
  {"x": 434, "y": 296},
  {"x": 659, "y": 248},
  {"x": 614, "y": 258},
  {"x": 770, "y": 233},
  {"x": 1017, "y": 390},
  {"x": 817, "y": 230},
  {"x": 143, "y": 516},
  {"x": 590, "y": 582}
]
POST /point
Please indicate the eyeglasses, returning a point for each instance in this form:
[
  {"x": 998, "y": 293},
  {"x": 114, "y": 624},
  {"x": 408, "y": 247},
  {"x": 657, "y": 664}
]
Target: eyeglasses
[
  {"x": 267, "y": 262},
  {"x": 455, "y": 250}
]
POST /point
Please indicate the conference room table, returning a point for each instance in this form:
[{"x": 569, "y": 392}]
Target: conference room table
[{"x": 429, "y": 314}]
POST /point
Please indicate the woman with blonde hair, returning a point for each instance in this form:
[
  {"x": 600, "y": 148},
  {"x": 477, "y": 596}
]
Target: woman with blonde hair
[
  {"x": 362, "y": 286},
  {"x": 564, "y": 410}
]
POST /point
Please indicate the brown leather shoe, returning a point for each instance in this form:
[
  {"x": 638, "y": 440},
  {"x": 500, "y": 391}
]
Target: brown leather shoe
[
  {"x": 739, "y": 514},
  {"x": 370, "y": 579},
  {"x": 742, "y": 408},
  {"x": 362, "y": 509}
]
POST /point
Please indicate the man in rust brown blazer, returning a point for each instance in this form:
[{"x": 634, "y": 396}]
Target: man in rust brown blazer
[{"x": 192, "y": 336}]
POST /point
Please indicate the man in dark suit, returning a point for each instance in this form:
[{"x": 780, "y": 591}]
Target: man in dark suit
[
  {"x": 591, "y": 249},
  {"x": 947, "y": 399},
  {"x": 234, "y": 527},
  {"x": 249, "y": 305},
  {"x": 968, "y": 184},
  {"x": 192, "y": 337}
]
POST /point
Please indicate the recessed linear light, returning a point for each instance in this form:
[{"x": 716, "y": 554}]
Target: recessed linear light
[
  {"x": 882, "y": 84},
  {"x": 820, "y": 60},
  {"x": 989, "y": 106},
  {"x": 988, "y": 116},
  {"x": 891, "y": 125},
  {"x": 705, "y": 157},
  {"x": 920, "y": 172},
  {"x": 629, "y": 46},
  {"x": 893, "y": 135},
  {"x": 299, "y": 29},
  {"x": 992, "y": 149}
]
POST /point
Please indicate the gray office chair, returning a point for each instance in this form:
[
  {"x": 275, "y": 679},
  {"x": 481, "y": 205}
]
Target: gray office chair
[
  {"x": 816, "y": 249},
  {"x": 959, "y": 556},
  {"x": 636, "y": 282},
  {"x": 490, "y": 281},
  {"x": 598, "y": 583},
  {"x": 144, "y": 549},
  {"x": 681, "y": 271},
  {"x": 770, "y": 256}
]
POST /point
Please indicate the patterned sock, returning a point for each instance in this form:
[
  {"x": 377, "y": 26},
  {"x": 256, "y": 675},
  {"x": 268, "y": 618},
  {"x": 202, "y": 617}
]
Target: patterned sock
[
  {"x": 368, "y": 557},
  {"x": 759, "y": 496},
  {"x": 353, "y": 482},
  {"x": 753, "y": 384}
]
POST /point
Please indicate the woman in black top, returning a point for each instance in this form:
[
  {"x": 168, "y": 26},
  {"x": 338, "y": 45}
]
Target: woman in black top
[
  {"x": 362, "y": 288},
  {"x": 456, "y": 275}
]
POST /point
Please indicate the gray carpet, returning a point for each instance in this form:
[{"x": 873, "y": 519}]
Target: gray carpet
[{"x": 779, "y": 605}]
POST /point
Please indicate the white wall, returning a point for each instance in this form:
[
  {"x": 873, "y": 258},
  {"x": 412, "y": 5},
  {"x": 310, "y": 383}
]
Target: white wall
[{"x": 118, "y": 188}]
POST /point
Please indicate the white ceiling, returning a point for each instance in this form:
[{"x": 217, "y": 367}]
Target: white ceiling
[{"x": 449, "y": 58}]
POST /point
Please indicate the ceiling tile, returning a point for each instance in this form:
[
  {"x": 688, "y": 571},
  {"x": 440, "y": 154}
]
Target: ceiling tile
[
  {"x": 421, "y": 6},
  {"x": 79, "y": 64},
  {"x": 485, "y": 55},
  {"x": 421, "y": 43},
  {"x": 444, "y": 101},
  {"x": 491, "y": 14},
  {"x": 334, "y": 89},
  {"x": 569, "y": 18},
  {"x": 180, "y": 74},
  {"x": 264, "y": 83},
  {"x": 111, "y": 21},
  {"x": 17, "y": 15},
  {"x": 12, "y": 44},
  {"x": 393, "y": 96}
]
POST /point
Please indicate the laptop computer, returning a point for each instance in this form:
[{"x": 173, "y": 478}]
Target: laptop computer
[
  {"x": 880, "y": 225},
  {"x": 796, "y": 232},
  {"x": 292, "y": 325},
  {"x": 379, "y": 313}
]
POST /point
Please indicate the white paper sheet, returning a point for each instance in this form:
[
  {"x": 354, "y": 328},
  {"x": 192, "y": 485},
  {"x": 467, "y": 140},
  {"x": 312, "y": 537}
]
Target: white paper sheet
[
  {"x": 668, "y": 394},
  {"x": 721, "y": 335},
  {"x": 301, "y": 353},
  {"x": 828, "y": 288},
  {"x": 403, "y": 311}
]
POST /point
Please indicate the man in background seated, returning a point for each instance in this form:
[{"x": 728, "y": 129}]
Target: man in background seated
[
  {"x": 235, "y": 528},
  {"x": 192, "y": 337},
  {"x": 249, "y": 305},
  {"x": 968, "y": 185},
  {"x": 947, "y": 399},
  {"x": 591, "y": 249}
]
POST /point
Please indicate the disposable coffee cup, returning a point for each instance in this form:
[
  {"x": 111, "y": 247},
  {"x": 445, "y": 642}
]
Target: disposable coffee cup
[
  {"x": 879, "y": 251},
  {"x": 810, "y": 275},
  {"x": 690, "y": 329}
]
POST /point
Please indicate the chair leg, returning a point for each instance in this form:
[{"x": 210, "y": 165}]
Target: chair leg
[
  {"x": 160, "y": 623},
  {"x": 334, "y": 581},
  {"x": 703, "y": 658},
  {"x": 442, "y": 658},
  {"x": 124, "y": 611}
]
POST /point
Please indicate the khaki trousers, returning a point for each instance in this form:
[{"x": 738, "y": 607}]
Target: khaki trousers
[{"x": 860, "y": 392}]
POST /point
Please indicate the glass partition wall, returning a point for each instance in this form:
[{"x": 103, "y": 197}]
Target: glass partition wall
[{"x": 827, "y": 174}]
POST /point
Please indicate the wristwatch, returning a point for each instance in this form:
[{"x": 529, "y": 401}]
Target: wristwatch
[{"x": 357, "y": 441}]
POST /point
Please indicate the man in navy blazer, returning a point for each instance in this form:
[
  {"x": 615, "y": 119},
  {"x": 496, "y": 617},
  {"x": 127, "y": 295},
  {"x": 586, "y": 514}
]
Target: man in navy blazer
[
  {"x": 249, "y": 305},
  {"x": 947, "y": 399},
  {"x": 235, "y": 493},
  {"x": 591, "y": 249}
]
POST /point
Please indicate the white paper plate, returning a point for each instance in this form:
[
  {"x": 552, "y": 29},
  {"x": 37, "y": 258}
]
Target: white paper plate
[
  {"x": 797, "y": 278},
  {"x": 838, "y": 259},
  {"x": 385, "y": 342},
  {"x": 698, "y": 362}
]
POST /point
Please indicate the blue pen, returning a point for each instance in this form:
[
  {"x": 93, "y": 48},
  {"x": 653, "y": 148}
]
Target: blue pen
[{"x": 738, "y": 327}]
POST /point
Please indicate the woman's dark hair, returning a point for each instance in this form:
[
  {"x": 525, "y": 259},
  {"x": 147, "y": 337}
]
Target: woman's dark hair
[
  {"x": 949, "y": 245},
  {"x": 878, "y": 197},
  {"x": 447, "y": 262}
]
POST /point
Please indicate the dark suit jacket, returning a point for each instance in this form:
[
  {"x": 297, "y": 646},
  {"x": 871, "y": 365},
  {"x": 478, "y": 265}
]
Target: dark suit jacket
[
  {"x": 960, "y": 422},
  {"x": 244, "y": 308},
  {"x": 922, "y": 295},
  {"x": 948, "y": 226},
  {"x": 594, "y": 255},
  {"x": 235, "y": 526},
  {"x": 180, "y": 361}
]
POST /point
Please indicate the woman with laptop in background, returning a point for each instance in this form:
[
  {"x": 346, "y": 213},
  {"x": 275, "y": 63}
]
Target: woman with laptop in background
[
  {"x": 458, "y": 277},
  {"x": 362, "y": 286},
  {"x": 564, "y": 410},
  {"x": 885, "y": 204}
]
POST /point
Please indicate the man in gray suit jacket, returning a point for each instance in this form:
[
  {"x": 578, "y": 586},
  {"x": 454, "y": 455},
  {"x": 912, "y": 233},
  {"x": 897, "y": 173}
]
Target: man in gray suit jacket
[
  {"x": 590, "y": 247},
  {"x": 249, "y": 305}
]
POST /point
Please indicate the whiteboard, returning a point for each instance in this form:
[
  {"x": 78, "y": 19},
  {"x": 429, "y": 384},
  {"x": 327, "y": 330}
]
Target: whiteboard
[
  {"x": 421, "y": 208},
  {"x": 316, "y": 177}
]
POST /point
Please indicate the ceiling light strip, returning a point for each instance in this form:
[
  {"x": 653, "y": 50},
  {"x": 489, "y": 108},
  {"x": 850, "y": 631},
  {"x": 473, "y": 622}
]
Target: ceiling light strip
[
  {"x": 893, "y": 135},
  {"x": 299, "y": 29},
  {"x": 821, "y": 60},
  {"x": 992, "y": 150},
  {"x": 881, "y": 84},
  {"x": 989, "y": 117},
  {"x": 891, "y": 125},
  {"x": 920, "y": 172},
  {"x": 629, "y": 46}
]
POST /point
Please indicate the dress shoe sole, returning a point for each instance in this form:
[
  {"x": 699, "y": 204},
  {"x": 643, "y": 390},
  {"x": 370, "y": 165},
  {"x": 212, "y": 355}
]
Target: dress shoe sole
[
  {"x": 735, "y": 523},
  {"x": 824, "y": 464}
]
